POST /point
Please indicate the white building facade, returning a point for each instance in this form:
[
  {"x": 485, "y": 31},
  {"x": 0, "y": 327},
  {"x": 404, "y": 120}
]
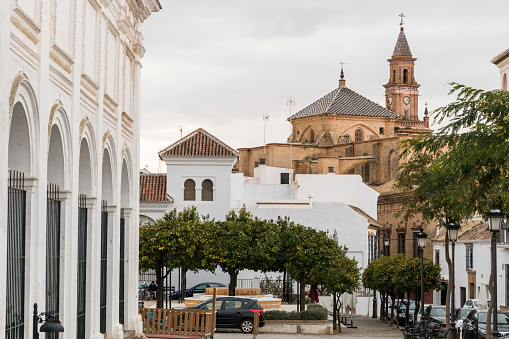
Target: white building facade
[
  {"x": 334, "y": 203},
  {"x": 69, "y": 129}
]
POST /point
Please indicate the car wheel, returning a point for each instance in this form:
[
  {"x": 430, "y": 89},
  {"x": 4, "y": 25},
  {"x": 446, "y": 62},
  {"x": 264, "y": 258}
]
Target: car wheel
[{"x": 246, "y": 326}]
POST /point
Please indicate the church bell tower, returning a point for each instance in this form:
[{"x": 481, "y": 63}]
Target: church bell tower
[{"x": 402, "y": 91}]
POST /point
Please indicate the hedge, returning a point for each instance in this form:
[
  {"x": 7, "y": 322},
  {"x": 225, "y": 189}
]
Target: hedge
[{"x": 314, "y": 312}]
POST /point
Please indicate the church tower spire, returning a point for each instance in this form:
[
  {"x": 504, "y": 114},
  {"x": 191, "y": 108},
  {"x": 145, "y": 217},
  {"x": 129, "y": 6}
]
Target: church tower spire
[{"x": 402, "y": 90}]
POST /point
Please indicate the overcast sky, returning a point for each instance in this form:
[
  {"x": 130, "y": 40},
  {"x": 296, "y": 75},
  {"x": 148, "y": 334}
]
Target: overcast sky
[{"x": 223, "y": 64}]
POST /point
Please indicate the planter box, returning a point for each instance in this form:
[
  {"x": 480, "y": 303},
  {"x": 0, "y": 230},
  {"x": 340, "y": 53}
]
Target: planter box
[{"x": 306, "y": 327}]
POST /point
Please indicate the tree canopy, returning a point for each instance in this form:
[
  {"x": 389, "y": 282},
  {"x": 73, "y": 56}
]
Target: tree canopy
[{"x": 463, "y": 169}]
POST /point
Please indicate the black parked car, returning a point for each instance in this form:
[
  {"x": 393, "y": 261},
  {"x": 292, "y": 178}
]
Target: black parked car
[
  {"x": 474, "y": 326},
  {"x": 400, "y": 313},
  {"x": 199, "y": 288},
  {"x": 234, "y": 312},
  {"x": 435, "y": 314}
]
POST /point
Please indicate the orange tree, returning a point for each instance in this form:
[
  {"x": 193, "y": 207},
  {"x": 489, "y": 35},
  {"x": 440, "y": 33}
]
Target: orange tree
[{"x": 243, "y": 242}]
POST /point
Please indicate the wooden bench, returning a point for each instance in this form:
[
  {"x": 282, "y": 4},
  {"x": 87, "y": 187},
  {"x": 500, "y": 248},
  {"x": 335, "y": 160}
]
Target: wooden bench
[
  {"x": 443, "y": 332},
  {"x": 431, "y": 330}
]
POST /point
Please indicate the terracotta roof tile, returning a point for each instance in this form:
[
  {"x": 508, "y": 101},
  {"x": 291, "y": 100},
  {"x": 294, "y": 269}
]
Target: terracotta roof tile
[
  {"x": 469, "y": 230},
  {"x": 199, "y": 143},
  {"x": 344, "y": 101},
  {"x": 153, "y": 187}
]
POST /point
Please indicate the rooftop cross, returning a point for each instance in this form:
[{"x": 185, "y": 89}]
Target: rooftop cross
[
  {"x": 402, "y": 16},
  {"x": 342, "y": 74}
]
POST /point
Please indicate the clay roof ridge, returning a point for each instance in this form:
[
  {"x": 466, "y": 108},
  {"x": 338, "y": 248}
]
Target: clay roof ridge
[{"x": 212, "y": 150}]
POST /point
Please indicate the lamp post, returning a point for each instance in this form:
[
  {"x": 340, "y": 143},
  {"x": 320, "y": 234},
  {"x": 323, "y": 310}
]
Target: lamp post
[
  {"x": 495, "y": 217},
  {"x": 387, "y": 242},
  {"x": 452, "y": 229},
  {"x": 51, "y": 324},
  {"x": 421, "y": 241}
]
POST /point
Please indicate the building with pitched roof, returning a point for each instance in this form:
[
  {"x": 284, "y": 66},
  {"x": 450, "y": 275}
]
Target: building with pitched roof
[
  {"x": 199, "y": 173},
  {"x": 502, "y": 62},
  {"x": 346, "y": 133}
]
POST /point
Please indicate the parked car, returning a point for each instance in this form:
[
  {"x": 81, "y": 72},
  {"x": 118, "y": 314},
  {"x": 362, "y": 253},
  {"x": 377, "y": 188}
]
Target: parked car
[
  {"x": 472, "y": 303},
  {"x": 460, "y": 315},
  {"x": 199, "y": 288},
  {"x": 474, "y": 326},
  {"x": 435, "y": 313},
  {"x": 234, "y": 312},
  {"x": 400, "y": 313}
]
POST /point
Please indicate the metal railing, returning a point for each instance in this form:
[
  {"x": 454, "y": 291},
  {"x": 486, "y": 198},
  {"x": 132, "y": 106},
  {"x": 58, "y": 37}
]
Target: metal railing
[
  {"x": 52, "y": 253},
  {"x": 82, "y": 266},
  {"x": 16, "y": 235},
  {"x": 178, "y": 322}
]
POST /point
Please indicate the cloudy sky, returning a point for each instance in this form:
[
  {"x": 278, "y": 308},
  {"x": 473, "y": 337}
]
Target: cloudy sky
[{"x": 224, "y": 64}]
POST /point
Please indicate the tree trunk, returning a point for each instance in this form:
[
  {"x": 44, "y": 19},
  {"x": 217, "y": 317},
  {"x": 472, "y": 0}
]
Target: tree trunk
[
  {"x": 334, "y": 313},
  {"x": 338, "y": 305},
  {"x": 449, "y": 287},
  {"x": 160, "y": 284},
  {"x": 392, "y": 310},
  {"x": 302, "y": 293},
  {"x": 183, "y": 282},
  {"x": 284, "y": 286},
  {"x": 233, "y": 281},
  {"x": 407, "y": 311}
]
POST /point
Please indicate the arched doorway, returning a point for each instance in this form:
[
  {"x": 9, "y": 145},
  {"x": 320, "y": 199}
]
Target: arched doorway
[
  {"x": 125, "y": 222},
  {"x": 56, "y": 181},
  {"x": 84, "y": 190},
  {"x": 19, "y": 164},
  {"x": 107, "y": 198}
]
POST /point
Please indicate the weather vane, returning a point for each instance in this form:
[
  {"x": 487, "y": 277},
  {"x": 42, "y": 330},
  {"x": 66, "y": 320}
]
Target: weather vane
[
  {"x": 402, "y": 16},
  {"x": 342, "y": 74}
]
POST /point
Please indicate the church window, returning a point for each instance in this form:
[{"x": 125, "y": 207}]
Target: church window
[
  {"x": 331, "y": 169},
  {"x": 393, "y": 75},
  {"x": 358, "y": 135},
  {"x": 401, "y": 243},
  {"x": 207, "y": 192},
  {"x": 298, "y": 132},
  {"x": 406, "y": 114},
  {"x": 382, "y": 131},
  {"x": 312, "y": 136},
  {"x": 189, "y": 190},
  {"x": 504, "y": 82},
  {"x": 345, "y": 139},
  {"x": 405, "y": 76}
]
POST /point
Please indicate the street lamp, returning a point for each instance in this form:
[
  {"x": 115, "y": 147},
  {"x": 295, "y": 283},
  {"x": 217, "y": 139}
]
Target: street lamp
[
  {"x": 452, "y": 230},
  {"x": 495, "y": 217},
  {"x": 51, "y": 324},
  {"x": 421, "y": 241},
  {"x": 387, "y": 242}
]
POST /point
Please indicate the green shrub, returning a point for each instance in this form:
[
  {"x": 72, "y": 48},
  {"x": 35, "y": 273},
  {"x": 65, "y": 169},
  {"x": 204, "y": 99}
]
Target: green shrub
[{"x": 314, "y": 312}]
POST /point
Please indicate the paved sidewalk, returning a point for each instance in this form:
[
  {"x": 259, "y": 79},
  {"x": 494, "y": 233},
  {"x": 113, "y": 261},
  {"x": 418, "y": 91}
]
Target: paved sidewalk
[{"x": 367, "y": 327}]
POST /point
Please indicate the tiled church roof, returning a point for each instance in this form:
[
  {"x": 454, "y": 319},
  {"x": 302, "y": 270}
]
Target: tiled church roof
[
  {"x": 199, "y": 143},
  {"x": 402, "y": 47},
  {"x": 344, "y": 101},
  {"x": 153, "y": 187}
]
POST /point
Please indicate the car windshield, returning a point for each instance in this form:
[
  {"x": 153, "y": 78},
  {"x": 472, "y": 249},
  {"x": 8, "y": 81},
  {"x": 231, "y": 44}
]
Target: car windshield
[
  {"x": 463, "y": 313},
  {"x": 437, "y": 312},
  {"x": 411, "y": 307},
  {"x": 502, "y": 318}
]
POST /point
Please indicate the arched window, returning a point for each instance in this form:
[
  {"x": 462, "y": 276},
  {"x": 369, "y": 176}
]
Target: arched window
[
  {"x": 207, "y": 193},
  {"x": 312, "y": 136},
  {"x": 504, "y": 82},
  {"x": 189, "y": 190},
  {"x": 405, "y": 76},
  {"x": 393, "y": 75},
  {"x": 345, "y": 139},
  {"x": 358, "y": 135}
]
